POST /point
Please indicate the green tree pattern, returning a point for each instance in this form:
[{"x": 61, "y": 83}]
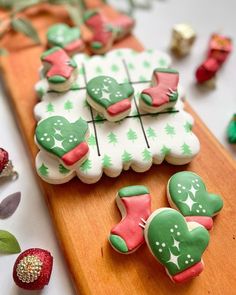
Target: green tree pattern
[
  {"x": 112, "y": 138},
  {"x": 68, "y": 105},
  {"x": 114, "y": 68},
  {"x": 186, "y": 149},
  {"x": 165, "y": 150},
  {"x": 99, "y": 119},
  {"x": 126, "y": 157},
  {"x": 86, "y": 166},
  {"x": 188, "y": 127},
  {"x": 162, "y": 63},
  {"x": 106, "y": 161},
  {"x": 146, "y": 64},
  {"x": 151, "y": 133},
  {"x": 62, "y": 169},
  {"x": 131, "y": 66},
  {"x": 92, "y": 140},
  {"x": 50, "y": 108},
  {"x": 146, "y": 155},
  {"x": 169, "y": 129},
  {"x": 43, "y": 170},
  {"x": 132, "y": 135},
  {"x": 98, "y": 70}
]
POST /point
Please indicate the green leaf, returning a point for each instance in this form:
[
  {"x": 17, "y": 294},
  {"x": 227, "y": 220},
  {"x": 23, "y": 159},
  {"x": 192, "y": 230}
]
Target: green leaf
[
  {"x": 6, "y": 4},
  {"x": 3, "y": 52},
  {"x": 25, "y": 27},
  {"x": 23, "y": 4},
  {"x": 75, "y": 15},
  {"x": 8, "y": 243}
]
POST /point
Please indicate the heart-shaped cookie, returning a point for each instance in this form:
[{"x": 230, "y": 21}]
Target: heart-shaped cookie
[
  {"x": 187, "y": 193},
  {"x": 176, "y": 243},
  {"x": 66, "y": 37},
  {"x": 109, "y": 97},
  {"x": 65, "y": 140}
]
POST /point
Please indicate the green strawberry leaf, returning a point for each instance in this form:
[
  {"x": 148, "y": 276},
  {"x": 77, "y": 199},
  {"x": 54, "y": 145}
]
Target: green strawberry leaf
[{"x": 8, "y": 243}]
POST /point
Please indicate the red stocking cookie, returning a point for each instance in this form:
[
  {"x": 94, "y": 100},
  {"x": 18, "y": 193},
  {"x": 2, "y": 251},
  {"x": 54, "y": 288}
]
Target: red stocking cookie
[
  {"x": 60, "y": 69},
  {"x": 163, "y": 94},
  {"x": 106, "y": 32},
  {"x": 134, "y": 203}
]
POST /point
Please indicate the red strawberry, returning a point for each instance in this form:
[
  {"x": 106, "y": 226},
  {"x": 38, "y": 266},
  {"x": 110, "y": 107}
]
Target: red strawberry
[
  {"x": 4, "y": 158},
  {"x": 32, "y": 269}
]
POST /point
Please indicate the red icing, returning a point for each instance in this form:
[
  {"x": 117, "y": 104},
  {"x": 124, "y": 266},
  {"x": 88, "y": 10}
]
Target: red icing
[
  {"x": 59, "y": 61},
  {"x": 163, "y": 82},
  {"x": 46, "y": 270},
  {"x": 124, "y": 22},
  {"x": 97, "y": 23},
  {"x": 4, "y": 158},
  {"x": 128, "y": 229},
  {"x": 219, "y": 48},
  {"x": 76, "y": 46},
  {"x": 119, "y": 107},
  {"x": 207, "y": 70},
  {"x": 206, "y": 221},
  {"x": 189, "y": 273},
  {"x": 76, "y": 154}
]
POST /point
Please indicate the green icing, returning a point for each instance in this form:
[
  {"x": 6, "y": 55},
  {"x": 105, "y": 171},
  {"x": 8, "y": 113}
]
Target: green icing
[
  {"x": 56, "y": 79},
  {"x": 49, "y": 52},
  {"x": 89, "y": 13},
  {"x": 189, "y": 194},
  {"x": 118, "y": 243},
  {"x": 58, "y": 136},
  {"x": 186, "y": 150},
  {"x": 62, "y": 169},
  {"x": 133, "y": 190},
  {"x": 105, "y": 91},
  {"x": 146, "y": 98},
  {"x": 96, "y": 45},
  {"x": 231, "y": 130},
  {"x": 171, "y": 242},
  {"x": 166, "y": 70},
  {"x": 62, "y": 35}
]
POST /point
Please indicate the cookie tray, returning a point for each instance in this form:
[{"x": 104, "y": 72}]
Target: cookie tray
[{"x": 84, "y": 214}]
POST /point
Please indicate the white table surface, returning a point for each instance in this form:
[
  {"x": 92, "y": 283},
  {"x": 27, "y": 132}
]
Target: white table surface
[{"x": 31, "y": 223}]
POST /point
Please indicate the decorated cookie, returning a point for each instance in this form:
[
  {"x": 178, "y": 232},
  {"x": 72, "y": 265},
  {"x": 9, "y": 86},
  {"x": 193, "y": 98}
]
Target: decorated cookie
[
  {"x": 106, "y": 32},
  {"x": 59, "y": 68},
  {"x": 134, "y": 203},
  {"x": 176, "y": 244},
  {"x": 65, "y": 140},
  {"x": 163, "y": 92},
  {"x": 108, "y": 97},
  {"x": 32, "y": 269},
  {"x": 138, "y": 141},
  {"x": 231, "y": 130},
  {"x": 187, "y": 193},
  {"x": 65, "y": 37}
]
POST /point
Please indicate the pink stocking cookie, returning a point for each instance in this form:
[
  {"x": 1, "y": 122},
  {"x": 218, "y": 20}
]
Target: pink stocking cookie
[
  {"x": 134, "y": 203},
  {"x": 59, "y": 68},
  {"x": 163, "y": 93}
]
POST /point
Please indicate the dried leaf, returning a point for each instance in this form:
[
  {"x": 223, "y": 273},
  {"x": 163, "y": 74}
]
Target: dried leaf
[
  {"x": 9, "y": 205},
  {"x": 8, "y": 243},
  {"x": 75, "y": 15},
  {"x": 25, "y": 27},
  {"x": 23, "y": 4}
]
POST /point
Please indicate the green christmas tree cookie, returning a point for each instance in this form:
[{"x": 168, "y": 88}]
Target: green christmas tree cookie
[
  {"x": 108, "y": 97},
  {"x": 65, "y": 140},
  {"x": 187, "y": 193},
  {"x": 176, "y": 243},
  {"x": 65, "y": 37}
]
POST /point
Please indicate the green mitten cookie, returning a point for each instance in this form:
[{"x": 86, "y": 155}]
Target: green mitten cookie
[
  {"x": 176, "y": 244},
  {"x": 65, "y": 140},
  {"x": 110, "y": 98},
  {"x": 187, "y": 193}
]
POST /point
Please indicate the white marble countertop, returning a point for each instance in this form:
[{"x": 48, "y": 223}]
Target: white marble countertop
[{"x": 31, "y": 223}]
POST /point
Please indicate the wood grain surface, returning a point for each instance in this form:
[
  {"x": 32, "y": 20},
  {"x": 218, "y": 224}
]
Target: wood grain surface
[{"x": 84, "y": 214}]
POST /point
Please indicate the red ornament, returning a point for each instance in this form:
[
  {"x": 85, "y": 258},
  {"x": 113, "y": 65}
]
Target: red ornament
[
  {"x": 219, "y": 49},
  {"x": 4, "y": 159},
  {"x": 32, "y": 269},
  {"x": 207, "y": 70}
]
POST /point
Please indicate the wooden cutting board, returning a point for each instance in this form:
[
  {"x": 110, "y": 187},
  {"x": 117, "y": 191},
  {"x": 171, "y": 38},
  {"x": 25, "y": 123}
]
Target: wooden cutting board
[{"x": 84, "y": 214}]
